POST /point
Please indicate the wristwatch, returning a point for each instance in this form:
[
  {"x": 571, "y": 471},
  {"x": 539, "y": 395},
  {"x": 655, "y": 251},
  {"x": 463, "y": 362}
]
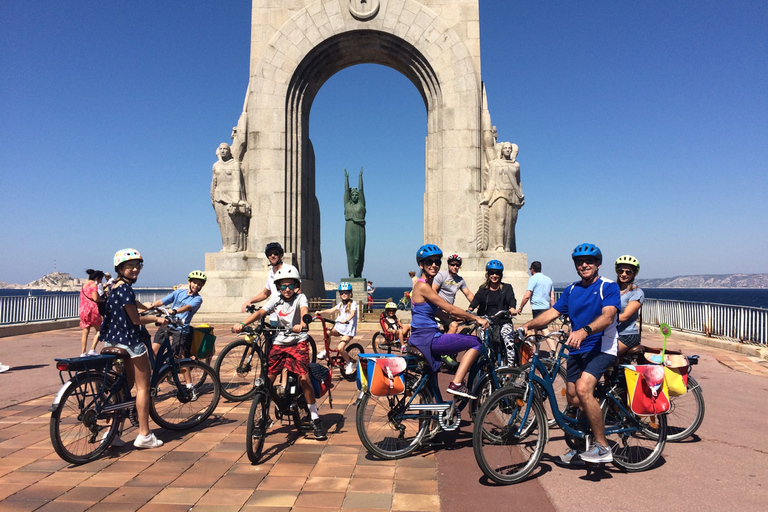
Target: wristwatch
[{"x": 587, "y": 329}]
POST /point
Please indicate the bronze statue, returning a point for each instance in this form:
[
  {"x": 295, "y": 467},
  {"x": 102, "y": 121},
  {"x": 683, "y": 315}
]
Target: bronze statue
[{"x": 354, "y": 232}]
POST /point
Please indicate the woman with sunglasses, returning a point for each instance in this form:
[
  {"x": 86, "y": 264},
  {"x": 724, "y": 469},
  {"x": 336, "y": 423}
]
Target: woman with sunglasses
[
  {"x": 425, "y": 334},
  {"x": 632, "y": 298},
  {"x": 494, "y": 296}
]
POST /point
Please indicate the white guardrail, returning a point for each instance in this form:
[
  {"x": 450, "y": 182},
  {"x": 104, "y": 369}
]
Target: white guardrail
[{"x": 28, "y": 308}]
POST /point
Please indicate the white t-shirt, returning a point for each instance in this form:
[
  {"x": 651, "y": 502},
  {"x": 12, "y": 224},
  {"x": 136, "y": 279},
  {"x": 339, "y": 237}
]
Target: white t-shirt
[
  {"x": 288, "y": 314},
  {"x": 350, "y": 328},
  {"x": 273, "y": 289}
]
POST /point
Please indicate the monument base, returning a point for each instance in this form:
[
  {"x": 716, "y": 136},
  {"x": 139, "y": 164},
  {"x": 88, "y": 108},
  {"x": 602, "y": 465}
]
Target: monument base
[{"x": 233, "y": 278}]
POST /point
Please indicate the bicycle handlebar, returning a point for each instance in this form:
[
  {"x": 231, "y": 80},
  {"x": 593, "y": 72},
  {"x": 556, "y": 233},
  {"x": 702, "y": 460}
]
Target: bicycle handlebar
[{"x": 163, "y": 312}]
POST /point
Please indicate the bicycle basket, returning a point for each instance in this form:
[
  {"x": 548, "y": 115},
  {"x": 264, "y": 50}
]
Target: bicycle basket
[
  {"x": 383, "y": 375},
  {"x": 203, "y": 341},
  {"x": 647, "y": 389},
  {"x": 322, "y": 379}
]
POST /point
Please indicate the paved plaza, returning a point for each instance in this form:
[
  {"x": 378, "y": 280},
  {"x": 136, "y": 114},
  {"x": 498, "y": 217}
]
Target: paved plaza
[{"x": 206, "y": 469}]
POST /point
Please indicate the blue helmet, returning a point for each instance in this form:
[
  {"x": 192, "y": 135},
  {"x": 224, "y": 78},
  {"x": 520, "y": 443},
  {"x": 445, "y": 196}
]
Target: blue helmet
[
  {"x": 494, "y": 265},
  {"x": 587, "y": 250},
  {"x": 425, "y": 251},
  {"x": 345, "y": 287}
]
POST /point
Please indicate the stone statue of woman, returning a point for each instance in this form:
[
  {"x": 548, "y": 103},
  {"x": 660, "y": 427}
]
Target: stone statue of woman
[
  {"x": 504, "y": 196},
  {"x": 228, "y": 197},
  {"x": 354, "y": 232}
]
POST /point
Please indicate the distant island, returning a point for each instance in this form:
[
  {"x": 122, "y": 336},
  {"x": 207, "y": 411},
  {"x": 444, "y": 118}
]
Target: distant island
[
  {"x": 703, "y": 281},
  {"x": 58, "y": 282}
]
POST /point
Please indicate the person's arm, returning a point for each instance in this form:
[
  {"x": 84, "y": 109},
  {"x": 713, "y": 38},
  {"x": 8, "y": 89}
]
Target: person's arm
[
  {"x": 476, "y": 300},
  {"x": 261, "y": 296},
  {"x": 542, "y": 320},
  {"x": 526, "y": 298},
  {"x": 633, "y": 307},
  {"x": 350, "y": 315},
  {"x": 598, "y": 324},
  {"x": 301, "y": 325},
  {"x": 512, "y": 300},
  {"x": 470, "y": 296},
  {"x": 133, "y": 315},
  {"x": 431, "y": 296},
  {"x": 253, "y": 317},
  {"x": 94, "y": 294}
]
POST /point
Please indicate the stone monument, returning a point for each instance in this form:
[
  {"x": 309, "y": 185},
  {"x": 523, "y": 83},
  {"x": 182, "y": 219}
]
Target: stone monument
[
  {"x": 503, "y": 194},
  {"x": 296, "y": 46},
  {"x": 228, "y": 198},
  {"x": 354, "y": 229}
]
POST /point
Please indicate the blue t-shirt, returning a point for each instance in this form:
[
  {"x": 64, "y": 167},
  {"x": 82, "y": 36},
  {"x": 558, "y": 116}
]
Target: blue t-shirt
[
  {"x": 584, "y": 304},
  {"x": 120, "y": 329},
  {"x": 541, "y": 288},
  {"x": 179, "y": 298},
  {"x": 629, "y": 326}
]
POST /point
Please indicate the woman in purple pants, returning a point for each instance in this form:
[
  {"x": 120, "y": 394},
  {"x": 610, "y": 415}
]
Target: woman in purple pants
[{"x": 425, "y": 334}]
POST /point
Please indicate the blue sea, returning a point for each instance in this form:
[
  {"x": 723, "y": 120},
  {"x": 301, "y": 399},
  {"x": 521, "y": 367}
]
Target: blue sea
[{"x": 753, "y": 297}]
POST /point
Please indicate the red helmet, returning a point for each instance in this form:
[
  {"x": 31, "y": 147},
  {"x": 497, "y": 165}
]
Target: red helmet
[{"x": 454, "y": 258}]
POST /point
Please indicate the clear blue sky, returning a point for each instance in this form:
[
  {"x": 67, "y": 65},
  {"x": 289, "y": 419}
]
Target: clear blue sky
[{"x": 642, "y": 126}]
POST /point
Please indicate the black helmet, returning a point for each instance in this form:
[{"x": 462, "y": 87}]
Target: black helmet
[{"x": 273, "y": 247}]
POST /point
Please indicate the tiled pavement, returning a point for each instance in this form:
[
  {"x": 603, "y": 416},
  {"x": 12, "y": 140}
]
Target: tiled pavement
[{"x": 206, "y": 469}]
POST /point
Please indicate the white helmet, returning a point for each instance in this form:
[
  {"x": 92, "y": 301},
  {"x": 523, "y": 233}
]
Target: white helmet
[{"x": 287, "y": 272}]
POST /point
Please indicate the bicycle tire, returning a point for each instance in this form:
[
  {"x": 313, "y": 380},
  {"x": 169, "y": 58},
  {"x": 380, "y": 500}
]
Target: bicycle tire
[
  {"x": 256, "y": 426},
  {"x": 76, "y": 434},
  {"x": 388, "y": 435},
  {"x": 560, "y": 384},
  {"x": 353, "y": 349},
  {"x": 640, "y": 444},
  {"x": 502, "y": 455},
  {"x": 312, "y": 346},
  {"x": 379, "y": 346},
  {"x": 237, "y": 366},
  {"x": 174, "y": 408},
  {"x": 686, "y": 413}
]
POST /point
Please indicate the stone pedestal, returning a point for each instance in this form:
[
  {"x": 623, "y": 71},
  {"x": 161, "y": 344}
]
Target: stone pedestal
[{"x": 234, "y": 278}]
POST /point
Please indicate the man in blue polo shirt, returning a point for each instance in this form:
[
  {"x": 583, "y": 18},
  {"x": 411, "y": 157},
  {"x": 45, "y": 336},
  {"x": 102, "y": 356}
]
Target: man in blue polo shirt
[{"x": 593, "y": 304}]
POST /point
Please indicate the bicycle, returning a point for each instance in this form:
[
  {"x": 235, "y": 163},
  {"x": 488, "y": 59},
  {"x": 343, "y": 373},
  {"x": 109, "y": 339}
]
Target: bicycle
[
  {"x": 88, "y": 411},
  {"x": 235, "y": 366},
  {"x": 393, "y": 427},
  {"x": 288, "y": 398},
  {"x": 511, "y": 429},
  {"x": 333, "y": 357}
]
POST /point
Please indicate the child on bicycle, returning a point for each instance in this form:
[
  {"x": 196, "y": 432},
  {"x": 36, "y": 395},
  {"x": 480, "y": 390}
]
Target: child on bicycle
[
  {"x": 184, "y": 304},
  {"x": 289, "y": 350},
  {"x": 121, "y": 328},
  {"x": 393, "y": 327},
  {"x": 346, "y": 323}
]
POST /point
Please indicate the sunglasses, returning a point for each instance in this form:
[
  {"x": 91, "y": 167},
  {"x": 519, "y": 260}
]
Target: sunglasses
[
  {"x": 581, "y": 261},
  {"x": 627, "y": 271},
  {"x": 429, "y": 262},
  {"x": 454, "y": 264},
  {"x": 287, "y": 286},
  {"x": 494, "y": 272},
  {"x": 135, "y": 265}
]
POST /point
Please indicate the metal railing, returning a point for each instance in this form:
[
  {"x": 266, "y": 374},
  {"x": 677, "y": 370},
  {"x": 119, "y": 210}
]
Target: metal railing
[
  {"x": 28, "y": 308},
  {"x": 742, "y": 323}
]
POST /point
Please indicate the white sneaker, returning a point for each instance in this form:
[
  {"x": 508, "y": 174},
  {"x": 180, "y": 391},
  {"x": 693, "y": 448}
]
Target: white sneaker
[
  {"x": 84, "y": 354},
  {"x": 349, "y": 368},
  {"x": 321, "y": 355},
  {"x": 149, "y": 441},
  {"x": 4, "y": 367},
  {"x": 92, "y": 353},
  {"x": 116, "y": 442}
]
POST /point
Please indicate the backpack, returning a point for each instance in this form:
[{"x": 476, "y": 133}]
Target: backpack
[{"x": 322, "y": 381}]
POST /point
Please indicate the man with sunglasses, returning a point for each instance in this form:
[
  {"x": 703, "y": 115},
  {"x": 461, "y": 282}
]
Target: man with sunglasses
[
  {"x": 593, "y": 304},
  {"x": 274, "y": 253},
  {"x": 446, "y": 284}
]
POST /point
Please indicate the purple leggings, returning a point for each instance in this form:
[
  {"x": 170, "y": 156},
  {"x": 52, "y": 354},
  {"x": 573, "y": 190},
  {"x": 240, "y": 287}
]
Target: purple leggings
[{"x": 454, "y": 343}]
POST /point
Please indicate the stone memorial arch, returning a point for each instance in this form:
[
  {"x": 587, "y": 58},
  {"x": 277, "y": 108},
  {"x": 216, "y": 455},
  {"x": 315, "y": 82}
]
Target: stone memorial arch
[{"x": 296, "y": 46}]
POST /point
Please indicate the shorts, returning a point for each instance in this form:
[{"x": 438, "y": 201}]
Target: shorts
[
  {"x": 630, "y": 340},
  {"x": 181, "y": 339},
  {"x": 537, "y": 312},
  {"x": 294, "y": 358},
  {"x": 595, "y": 363},
  {"x": 137, "y": 349}
]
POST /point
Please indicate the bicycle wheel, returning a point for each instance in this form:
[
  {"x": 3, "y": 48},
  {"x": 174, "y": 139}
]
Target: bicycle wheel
[
  {"x": 353, "y": 349},
  {"x": 482, "y": 391},
  {"x": 386, "y": 427},
  {"x": 238, "y": 365},
  {"x": 686, "y": 413},
  {"x": 77, "y": 431},
  {"x": 256, "y": 426},
  {"x": 505, "y": 452},
  {"x": 380, "y": 345},
  {"x": 636, "y": 441},
  {"x": 177, "y": 408},
  {"x": 312, "y": 346}
]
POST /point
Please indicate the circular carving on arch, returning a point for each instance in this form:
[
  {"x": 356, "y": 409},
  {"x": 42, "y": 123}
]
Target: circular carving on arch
[{"x": 364, "y": 10}]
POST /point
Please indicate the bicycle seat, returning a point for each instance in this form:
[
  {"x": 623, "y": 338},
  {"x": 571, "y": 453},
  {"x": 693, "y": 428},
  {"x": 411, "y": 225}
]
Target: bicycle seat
[
  {"x": 413, "y": 351},
  {"x": 116, "y": 351}
]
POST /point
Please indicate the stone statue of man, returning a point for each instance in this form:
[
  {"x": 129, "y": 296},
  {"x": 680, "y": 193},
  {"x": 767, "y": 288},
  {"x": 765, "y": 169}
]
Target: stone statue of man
[
  {"x": 228, "y": 197},
  {"x": 354, "y": 232},
  {"x": 504, "y": 197}
]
